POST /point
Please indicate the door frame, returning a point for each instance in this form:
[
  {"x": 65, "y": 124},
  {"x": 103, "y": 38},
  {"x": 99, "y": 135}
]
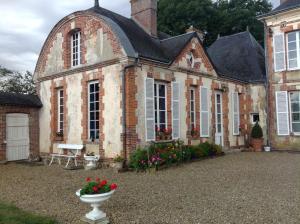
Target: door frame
[
  {"x": 221, "y": 134},
  {"x": 6, "y": 135}
]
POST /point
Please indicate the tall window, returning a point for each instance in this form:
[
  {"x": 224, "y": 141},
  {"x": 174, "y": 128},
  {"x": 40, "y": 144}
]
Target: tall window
[
  {"x": 192, "y": 108},
  {"x": 75, "y": 46},
  {"x": 295, "y": 112},
  {"x": 60, "y": 110},
  {"x": 160, "y": 91},
  {"x": 293, "y": 45},
  {"x": 93, "y": 118}
]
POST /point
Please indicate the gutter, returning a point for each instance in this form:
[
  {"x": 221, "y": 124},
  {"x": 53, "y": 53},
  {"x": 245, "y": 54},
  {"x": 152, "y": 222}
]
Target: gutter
[
  {"x": 269, "y": 143},
  {"x": 124, "y": 112}
]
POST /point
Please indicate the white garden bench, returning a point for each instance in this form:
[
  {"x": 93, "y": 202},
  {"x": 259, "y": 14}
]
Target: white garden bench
[{"x": 73, "y": 152}]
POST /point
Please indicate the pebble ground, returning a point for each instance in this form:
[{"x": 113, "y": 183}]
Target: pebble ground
[{"x": 241, "y": 188}]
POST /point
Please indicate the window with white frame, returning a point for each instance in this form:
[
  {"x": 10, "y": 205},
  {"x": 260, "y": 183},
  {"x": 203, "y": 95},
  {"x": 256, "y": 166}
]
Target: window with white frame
[
  {"x": 192, "y": 108},
  {"x": 93, "y": 110},
  {"x": 293, "y": 47},
  {"x": 295, "y": 112},
  {"x": 75, "y": 46},
  {"x": 60, "y": 110},
  {"x": 160, "y": 105}
]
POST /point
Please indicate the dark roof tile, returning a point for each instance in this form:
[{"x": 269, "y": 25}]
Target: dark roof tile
[
  {"x": 239, "y": 57},
  {"x": 22, "y": 100}
]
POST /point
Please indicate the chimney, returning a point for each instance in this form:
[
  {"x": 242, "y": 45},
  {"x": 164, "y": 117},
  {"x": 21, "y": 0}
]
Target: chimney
[
  {"x": 199, "y": 32},
  {"x": 144, "y": 13}
]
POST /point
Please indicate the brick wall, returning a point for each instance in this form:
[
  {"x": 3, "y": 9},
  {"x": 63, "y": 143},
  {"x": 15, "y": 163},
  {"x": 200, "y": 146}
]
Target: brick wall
[{"x": 33, "y": 128}]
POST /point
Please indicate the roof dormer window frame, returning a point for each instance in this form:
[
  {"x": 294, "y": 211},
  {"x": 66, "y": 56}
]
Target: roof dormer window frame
[{"x": 75, "y": 48}]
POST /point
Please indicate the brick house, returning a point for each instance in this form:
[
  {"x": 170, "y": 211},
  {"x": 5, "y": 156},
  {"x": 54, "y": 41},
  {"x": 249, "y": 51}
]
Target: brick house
[
  {"x": 114, "y": 83},
  {"x": 19, "y": 125},
  {"x": 282, "y": 38}
]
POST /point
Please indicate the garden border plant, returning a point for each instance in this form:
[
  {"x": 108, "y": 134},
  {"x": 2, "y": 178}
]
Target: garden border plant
[{"x": 161, "y": 155}]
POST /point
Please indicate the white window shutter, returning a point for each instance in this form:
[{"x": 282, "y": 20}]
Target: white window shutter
[
  {"x": 236, "y": 113},
  {"x": 204, "y": 116},
  {"x": 282, "y": 111},
  {"x": 149, "y": 109},
  {"x": 175, "y": 110},
  {"x": 279, "y": 52}
]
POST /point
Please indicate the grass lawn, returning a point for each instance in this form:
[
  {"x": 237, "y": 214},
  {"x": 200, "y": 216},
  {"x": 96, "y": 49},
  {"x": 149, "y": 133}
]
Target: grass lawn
[{"x": 10, "y": 214}]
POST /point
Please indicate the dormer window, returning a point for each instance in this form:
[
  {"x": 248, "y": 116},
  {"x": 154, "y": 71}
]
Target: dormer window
[
  {"x": 75, "y": 46},
  {"x": 191, "y": 59}
]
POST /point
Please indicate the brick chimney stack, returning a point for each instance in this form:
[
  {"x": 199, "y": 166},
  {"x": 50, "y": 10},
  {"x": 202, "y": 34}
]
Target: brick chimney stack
[{"x": 144, "y": 13}]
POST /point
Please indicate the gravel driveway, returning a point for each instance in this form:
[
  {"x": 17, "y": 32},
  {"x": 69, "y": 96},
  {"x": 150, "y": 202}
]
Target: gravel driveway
[{"x": 238, "y": 188}]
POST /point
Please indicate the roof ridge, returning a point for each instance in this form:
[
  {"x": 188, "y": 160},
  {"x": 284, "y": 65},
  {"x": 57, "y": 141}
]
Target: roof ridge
[
  {"x": 235, "y": 34},
  {"x": 178, "y": 36}
]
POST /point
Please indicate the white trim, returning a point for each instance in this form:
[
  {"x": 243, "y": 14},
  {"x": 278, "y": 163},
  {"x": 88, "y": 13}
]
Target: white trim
[
  {"x": 153, "y": 118},
  {"x": 59, "y": 112},
  {"x": 274, "y": 53},
  {"x": 235, "y": 113},
  {"x": 175, "y": 138},
  {"x": 89, "y": 111},
  {"x": 204, "y": 111},
  {"x": 79, "y": 49},
  {"x": 297, "y": 51},
  {"x": 216, "y": 116},
  {"x": 194, "y": 101},
  {"x": 286, "y": 112}
]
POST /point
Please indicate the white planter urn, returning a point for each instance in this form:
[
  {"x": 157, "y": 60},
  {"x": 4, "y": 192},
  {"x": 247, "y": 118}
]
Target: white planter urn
[
  {"x": 267, "y": 149},
  {"x": 95, "y": 200},
  {"x": 92, "y": 162}
]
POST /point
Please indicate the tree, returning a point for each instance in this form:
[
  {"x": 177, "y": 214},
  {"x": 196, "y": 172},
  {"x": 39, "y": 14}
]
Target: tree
[
  {"x": 222, "y": 17},
  {"x": 16, "y": 82}
]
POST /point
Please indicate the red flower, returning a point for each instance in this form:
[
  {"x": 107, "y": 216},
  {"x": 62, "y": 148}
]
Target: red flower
[
  {"x": 88, "y": 179},
  {"x": 103, "y": 182},
  {"x": 95, "y": 189},
  {"x": 98, "y": 179},
  {"x": 113, "y": 187}
]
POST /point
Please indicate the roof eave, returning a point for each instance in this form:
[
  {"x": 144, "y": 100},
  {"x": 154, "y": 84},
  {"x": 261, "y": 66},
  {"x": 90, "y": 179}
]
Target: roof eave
[{"x": 270, "y": 14}]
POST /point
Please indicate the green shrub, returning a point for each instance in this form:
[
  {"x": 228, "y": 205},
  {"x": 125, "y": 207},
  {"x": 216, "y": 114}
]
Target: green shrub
[
  {"x": 139, "y": 159},
  {"x": 217, "y": 149},
  {"x": 257, "y": 131}
]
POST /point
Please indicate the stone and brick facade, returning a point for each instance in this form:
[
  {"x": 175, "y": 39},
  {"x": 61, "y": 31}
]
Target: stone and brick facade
[{"x": 121, "y": 54}]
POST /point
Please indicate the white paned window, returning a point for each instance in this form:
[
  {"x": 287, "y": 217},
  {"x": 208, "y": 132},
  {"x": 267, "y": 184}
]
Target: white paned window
[
  {"x": 236, "y": 113},
  {"x": 192, "y": 108},
  {"x": 149, "y": 109},
  {"x": 204, "y": 116},
  {"x": 279, "y": 53},
  {"x": 93, "y": 110},
  {"x": 295, "y": 112},
  {"x": 282, "y": 112},
  {"x": 75, "y": 47},
  {"x": 160, "y": 105},
  {"x": 60, "y": 110},
  {"x": 175, "y": 110},
  {"x": 293, "y": 50}
]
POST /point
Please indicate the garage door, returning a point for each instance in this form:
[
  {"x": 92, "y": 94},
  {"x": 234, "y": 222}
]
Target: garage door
[{"x": 17, "y": 137}]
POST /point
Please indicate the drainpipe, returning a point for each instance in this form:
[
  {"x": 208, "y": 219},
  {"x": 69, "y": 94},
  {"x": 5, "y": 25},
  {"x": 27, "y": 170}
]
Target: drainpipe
[
  {"x": 267, "y": 84},
  {"x": 124, "y": 114}
]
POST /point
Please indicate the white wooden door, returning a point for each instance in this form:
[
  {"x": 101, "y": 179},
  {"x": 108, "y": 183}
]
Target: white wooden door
[
  {"x": 17, "y": 137},
  {"x": 219, "y": 119}
]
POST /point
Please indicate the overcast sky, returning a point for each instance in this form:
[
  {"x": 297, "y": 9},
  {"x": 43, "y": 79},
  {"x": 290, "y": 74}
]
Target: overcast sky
[{"x": 24, "y": 26}]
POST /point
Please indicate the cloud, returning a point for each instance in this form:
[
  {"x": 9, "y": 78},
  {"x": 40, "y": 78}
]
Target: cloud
[{"x": 24, "y": 26}]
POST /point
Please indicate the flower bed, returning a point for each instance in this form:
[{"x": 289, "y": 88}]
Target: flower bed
[
  {"x": 166, "y": 154},
  {"x": 97, "y": 187}
]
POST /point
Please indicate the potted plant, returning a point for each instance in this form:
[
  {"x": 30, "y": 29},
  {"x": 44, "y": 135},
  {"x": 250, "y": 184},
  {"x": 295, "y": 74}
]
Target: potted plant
[
  {"x": 60, "y": 136},
  {"x": 257, "y": 137},
  {"x": 118, "y": 162},
  {"x": 95, "y": 193},
  {"x": 92, "y": 160}
]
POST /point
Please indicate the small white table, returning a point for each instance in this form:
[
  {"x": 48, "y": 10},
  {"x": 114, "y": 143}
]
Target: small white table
[{"x": 73, "y": 152}]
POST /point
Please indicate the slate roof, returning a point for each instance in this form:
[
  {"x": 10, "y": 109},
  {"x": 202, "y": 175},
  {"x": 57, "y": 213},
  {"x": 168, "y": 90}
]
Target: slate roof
[
  {"x": 239, "y": 57},
  {"x": 287, "y": 5},
  {"x": 137, "y": 42},
  {"x": 22, "y": 100}
]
